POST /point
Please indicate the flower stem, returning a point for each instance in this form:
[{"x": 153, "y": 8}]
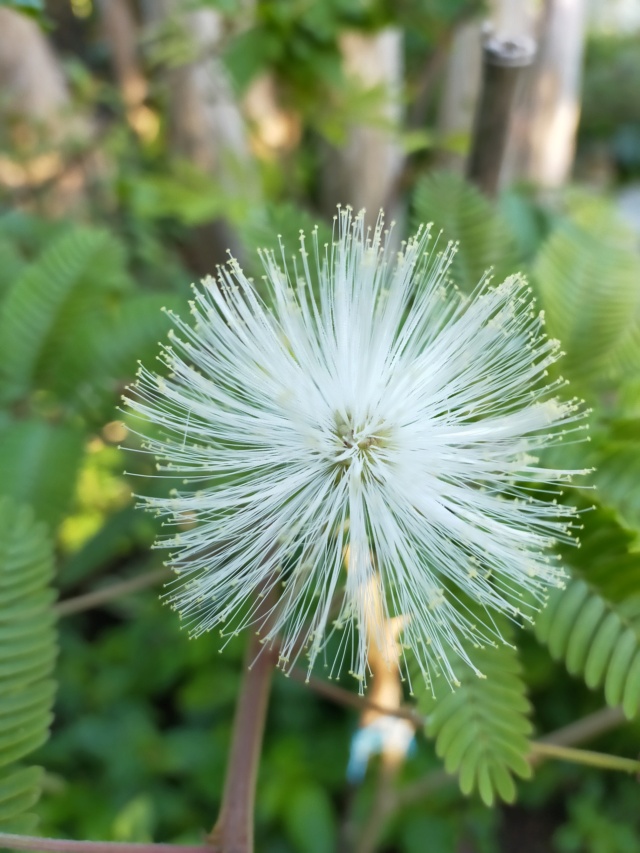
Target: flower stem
[{"x": 233, "y": 831}]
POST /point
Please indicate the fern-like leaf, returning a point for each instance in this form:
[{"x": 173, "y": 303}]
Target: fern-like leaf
[
  {"x": 39, "y": 463},
  {"x": 594, "y": 624},
  {"x": 11, "y": 264},
  {"x": 598, "y": 639},
  {"x": 482, "y": 728},
  {"x": 590, "y": 295},
  {"x": 279, "y": 224},
  {"x": 465, "y": 215},
  {"x": 617, "y": 479},
  {"x": 47, "y": 314},
  {"x": 134, "y": 333},
  {"x": 27, "y": 656}
]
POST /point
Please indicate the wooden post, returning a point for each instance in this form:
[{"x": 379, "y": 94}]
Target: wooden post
[{"x": 503, "y": 63}]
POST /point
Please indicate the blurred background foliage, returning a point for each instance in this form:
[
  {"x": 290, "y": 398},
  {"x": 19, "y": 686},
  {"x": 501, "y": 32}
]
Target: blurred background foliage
[{"x": 139, "y": 141}]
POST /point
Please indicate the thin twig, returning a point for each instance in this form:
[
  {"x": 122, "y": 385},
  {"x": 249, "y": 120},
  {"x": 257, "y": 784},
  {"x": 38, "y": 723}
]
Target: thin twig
[
  {"x": 553, "y": 745},
  {"x": 587, "y": 728},
  {"x": 345, "y": 697},
  {"x": 419, "y": 790},
  {"x": 9, "y": 841},
  {"x": 584, "y": 756},
  {"x": 98, "y": 597}
]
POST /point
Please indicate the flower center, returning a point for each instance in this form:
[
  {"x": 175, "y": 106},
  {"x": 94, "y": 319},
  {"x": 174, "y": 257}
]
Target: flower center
[{"x": 358, "y": 441}]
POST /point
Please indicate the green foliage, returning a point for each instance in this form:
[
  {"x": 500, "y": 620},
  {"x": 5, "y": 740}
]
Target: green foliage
[
  {"x": 49, "y": 313},
  {"x": 171, "y": 721},
  {"x": 614, "y": 452},
  {"x": 136, "y": 326},
  {"x": 27, "y": 655},
  {"x": 598, "y": 639},
  {"x": 609, "y": 110},
  {"x": 463, "y": 214},
  {"x": 481, "y": 728},
  {"x": 277, "y": 227},
  {"x": 29, "y": 7},
  {"x": 310, "y": 821},
  {"x": 589, "y": 290},
  {"x": 293, "y": 34},
  {"x": 184, "y": 193},
  {"x": 11, "y": 264},
  {"x": 33, "y": 455},
  {"x": 611, "y": 61},
  {"x": 594, "y": 826},
  {"x": 72, "y": 328},
  {"x": 594, "y": 624},
  {"x": 79, "y": 305}
]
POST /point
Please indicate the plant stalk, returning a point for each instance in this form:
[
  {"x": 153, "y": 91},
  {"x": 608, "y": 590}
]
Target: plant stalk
[
  {"x": 233, "y": 831},
  {"x": 585, "y": 756}
]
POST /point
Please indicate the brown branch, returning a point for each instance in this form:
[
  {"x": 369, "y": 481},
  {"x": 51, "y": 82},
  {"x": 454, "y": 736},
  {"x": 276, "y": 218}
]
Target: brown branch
[
  {"x": 98, "y": 597},
  {"x": 345, "y": 697},
  {"x": 233, "y": 830},
  {"x": 587, "y": 728},
  {"x": 9, "y": 841},
  {"x": 369, "y": 833},
  {"x": 390, "y": 801}
]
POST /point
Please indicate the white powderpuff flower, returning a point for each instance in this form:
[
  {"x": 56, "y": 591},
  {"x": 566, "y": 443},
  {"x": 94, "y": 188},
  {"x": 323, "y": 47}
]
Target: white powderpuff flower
[{"x": 359, "y": 444}]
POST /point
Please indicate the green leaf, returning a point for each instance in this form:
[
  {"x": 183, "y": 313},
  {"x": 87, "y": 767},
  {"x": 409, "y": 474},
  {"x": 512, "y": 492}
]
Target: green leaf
[
  {"x": 29, "y": 7},
  {"x": 278, "y": 227},
  {"x": 589, "y": 291},
  {"x": 310, "y": 820},
  {"x": 11, "y": 264},
  {"x": 597, "y": 638},
  {"x": 482, "y": 728},
  {"x": 617, "y": 478},
  {"x": 186, "y": 193},
  {"x": 39, "y": 463},
  {"x": 27, "y": 656},
  {"x": 465, "y": 215},
  {"x": 49, "y": 313},
  {"x": 605, "y": 559},
  {"x": 249, "y": 53},
  {"x": 133, "y": 334}
]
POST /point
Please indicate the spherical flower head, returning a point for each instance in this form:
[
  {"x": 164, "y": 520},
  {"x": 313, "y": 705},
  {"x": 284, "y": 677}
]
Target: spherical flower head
[{"x": 359, "y": 444}]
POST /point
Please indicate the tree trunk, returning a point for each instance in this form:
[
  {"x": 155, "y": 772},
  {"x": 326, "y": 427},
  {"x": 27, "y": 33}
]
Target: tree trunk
[
  {"x": 363, "y": 172},
  {"x": 206, "y": 126},
  {"x": 35, "y": 110},
  {"x": 121, "y": 33},
  {"x": 542, "y": 143},
  {"x": 461, "y": 89}
]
